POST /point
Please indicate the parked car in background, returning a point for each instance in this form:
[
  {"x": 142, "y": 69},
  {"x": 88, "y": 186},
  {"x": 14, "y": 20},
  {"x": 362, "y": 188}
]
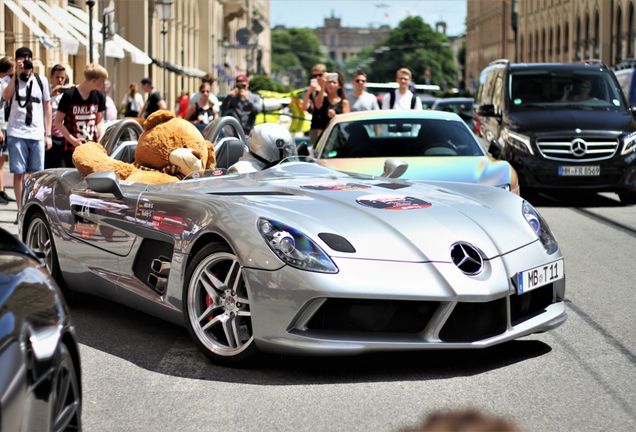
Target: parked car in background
[
  {"x": 436, "y": 145},
  {"x": 40, "y": 379},
  {"x": 561, "y": 126},
  {"x": 462, "y": 106}
]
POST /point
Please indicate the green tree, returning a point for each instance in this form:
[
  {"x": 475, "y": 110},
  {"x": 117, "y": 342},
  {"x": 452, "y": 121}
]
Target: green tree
[
  {"x": 415, "y": 45},
  {"x": 294, "y": 52},
  {"x": 264, "y": 82}
]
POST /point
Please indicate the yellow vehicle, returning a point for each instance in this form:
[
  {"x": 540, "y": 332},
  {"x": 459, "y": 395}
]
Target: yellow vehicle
[{"x": 286, "y": 109}]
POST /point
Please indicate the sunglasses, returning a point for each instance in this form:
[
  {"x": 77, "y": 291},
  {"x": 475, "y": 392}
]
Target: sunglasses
[
  {"x": 205, "y": 91},
  {"x": 317, "y": 75},
  {"x": 360, "y": 81}
]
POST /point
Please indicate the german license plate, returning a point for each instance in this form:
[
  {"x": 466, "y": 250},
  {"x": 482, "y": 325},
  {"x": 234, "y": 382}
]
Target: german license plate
[
  {"x": 586, "y": 170},
  {"x": 539, "y": 276}
]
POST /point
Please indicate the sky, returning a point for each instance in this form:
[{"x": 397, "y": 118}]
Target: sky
[{"x": 365, "y": 13}]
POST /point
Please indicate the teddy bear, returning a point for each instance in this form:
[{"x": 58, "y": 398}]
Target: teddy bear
[{"x": 170, "y": 148}]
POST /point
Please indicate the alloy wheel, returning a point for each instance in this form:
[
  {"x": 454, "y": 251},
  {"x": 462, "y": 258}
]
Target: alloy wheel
[{"x": 218, "y": 305}]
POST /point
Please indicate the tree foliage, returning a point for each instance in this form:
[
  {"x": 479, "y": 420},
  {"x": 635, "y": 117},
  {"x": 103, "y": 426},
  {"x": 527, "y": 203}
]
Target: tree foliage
[
  {"x": 293, "y": 47},
  {"x": 415, "y": 45},
  {"x": 264, "y": 82}
]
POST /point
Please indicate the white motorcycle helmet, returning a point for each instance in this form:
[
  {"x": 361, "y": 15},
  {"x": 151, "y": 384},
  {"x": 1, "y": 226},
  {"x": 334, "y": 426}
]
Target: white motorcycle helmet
[{"x": 271, "y": 143}]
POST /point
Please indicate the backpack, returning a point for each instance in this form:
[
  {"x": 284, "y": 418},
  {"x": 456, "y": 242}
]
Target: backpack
[
  {"x": 7, "y": 105},
  {"x": 392, "y": 102}
]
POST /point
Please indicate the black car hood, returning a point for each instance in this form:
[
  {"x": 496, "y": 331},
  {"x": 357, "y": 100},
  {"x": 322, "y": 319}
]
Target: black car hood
[{"x": 564, "y": 120}]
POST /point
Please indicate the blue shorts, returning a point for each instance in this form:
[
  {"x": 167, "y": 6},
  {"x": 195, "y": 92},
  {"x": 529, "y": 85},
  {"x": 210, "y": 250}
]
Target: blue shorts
[{"x": 25, "y": 155}]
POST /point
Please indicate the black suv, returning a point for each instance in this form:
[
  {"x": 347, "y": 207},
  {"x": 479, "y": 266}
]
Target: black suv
[{"x": 561, "y": 126}]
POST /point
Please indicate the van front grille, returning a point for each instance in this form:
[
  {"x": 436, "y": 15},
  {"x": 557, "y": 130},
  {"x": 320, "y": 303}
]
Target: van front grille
[{"x": 577, "y": 149}]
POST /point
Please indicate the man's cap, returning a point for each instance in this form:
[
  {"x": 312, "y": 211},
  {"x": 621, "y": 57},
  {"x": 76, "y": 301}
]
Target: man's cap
[
  {"x": 23, "y": 52},
  {"x": 242, "y": 79}
]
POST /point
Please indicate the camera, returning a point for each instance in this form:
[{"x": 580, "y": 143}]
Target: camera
[
  {"x": 241, "y": 86},
  {"x": 27, "y": 64}
]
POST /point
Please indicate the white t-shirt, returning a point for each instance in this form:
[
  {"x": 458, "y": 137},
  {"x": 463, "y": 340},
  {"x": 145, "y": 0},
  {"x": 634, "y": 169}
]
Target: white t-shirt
[
  {"x": 136, "y": 102},
  {"x": 402, "y": 101},
  {"x": 16, "y": 126},
  {"x": 365, "y": 102}
]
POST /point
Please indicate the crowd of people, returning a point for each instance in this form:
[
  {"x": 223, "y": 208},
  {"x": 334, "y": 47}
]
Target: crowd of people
[{"x": 43, "y": 119}]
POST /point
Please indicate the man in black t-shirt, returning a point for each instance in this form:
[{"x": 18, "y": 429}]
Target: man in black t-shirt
[
  {"x": 80, "y": 113},
  {"x": 154, "y": 101}
]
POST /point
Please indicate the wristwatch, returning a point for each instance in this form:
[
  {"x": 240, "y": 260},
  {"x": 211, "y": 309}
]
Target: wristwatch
[{"x": 48, "y": 136}]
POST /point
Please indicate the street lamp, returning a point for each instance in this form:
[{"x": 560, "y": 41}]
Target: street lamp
[
  {"x": 164, "y": 9},
  {"x": 90, "y": 4}
]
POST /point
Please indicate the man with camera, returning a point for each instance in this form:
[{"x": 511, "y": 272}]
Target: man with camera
[
  {"x": 242, "y": 104},
  {"x": 29, "y": 123}
]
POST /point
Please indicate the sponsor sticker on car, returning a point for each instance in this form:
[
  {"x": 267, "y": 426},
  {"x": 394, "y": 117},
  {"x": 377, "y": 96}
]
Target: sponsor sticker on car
[
  {"x": 539, "y": 276},
  {"x": 392, "y": 202},
  {"x": 335, "y": 186}
]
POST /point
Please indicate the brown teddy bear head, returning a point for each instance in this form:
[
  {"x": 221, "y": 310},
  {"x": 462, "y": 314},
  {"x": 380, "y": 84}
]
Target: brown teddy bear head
[{"x": 169, "y": 140}]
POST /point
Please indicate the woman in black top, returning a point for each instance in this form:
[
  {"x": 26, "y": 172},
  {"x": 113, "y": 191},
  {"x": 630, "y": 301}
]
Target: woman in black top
[
  {"x": 334, "y": 101},
  {"x": 201, "y": 112}
]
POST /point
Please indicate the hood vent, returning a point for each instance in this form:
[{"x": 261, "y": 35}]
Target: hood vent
[{"x": 337, "y": 243}]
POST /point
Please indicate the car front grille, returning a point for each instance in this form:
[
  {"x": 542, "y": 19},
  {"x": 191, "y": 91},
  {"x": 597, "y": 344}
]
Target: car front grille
[
  {"x": 577, "y": 149},
  {"x": 470, "y": 322},
  {"x": 532, "y": 303},
  {"x": 372, "y": 316}
]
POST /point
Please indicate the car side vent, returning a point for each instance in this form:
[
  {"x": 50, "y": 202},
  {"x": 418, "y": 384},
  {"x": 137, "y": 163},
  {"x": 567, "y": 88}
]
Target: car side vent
[{"x": 337, "y": 243}]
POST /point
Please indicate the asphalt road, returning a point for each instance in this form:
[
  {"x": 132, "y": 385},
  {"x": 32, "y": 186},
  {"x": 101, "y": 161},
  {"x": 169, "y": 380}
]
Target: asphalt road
[{"x": 142, "y": 374}]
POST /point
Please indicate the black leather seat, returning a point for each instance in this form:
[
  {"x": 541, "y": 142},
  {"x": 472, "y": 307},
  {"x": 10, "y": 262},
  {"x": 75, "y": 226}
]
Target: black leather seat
[{"x": 228, "y": 151}]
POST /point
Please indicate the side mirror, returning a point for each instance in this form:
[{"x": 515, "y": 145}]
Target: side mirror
[
  {"x": 487, "y": 110},
  {"x": 305, "y": 149},
  {"x": 394, "y": 168},
  {"x": 105, "y": 182},
  {"x": 494, "y": 149}
]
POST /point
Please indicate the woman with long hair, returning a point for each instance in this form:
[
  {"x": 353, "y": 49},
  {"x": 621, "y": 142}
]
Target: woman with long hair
[
  {"x": 201, "y": 112},
  {"x": 133, "y": 102},
  {"x": 333, "y": 101}
]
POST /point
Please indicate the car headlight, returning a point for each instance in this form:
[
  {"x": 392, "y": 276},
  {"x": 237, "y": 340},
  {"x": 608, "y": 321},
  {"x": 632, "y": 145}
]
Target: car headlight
[
  {"x": 540, "y": 227},
  {"x": 294, "y": 247},
  {"x": 519, "y": 141},
  {"x": 629, "y": 143}
]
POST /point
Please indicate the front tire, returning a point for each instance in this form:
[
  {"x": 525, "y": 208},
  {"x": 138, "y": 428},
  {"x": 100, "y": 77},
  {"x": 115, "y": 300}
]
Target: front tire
[
  {"x": 66, "y": 399},
  {"x": 217, "y": 307}
]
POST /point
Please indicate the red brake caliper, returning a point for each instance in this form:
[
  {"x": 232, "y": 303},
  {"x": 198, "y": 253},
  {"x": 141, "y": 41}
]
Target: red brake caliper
[{"x": 209, "y": 302}]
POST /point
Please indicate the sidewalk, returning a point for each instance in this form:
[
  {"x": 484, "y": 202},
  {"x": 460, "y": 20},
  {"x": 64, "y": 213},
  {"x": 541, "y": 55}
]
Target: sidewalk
[{"x": 8, "y": 212}]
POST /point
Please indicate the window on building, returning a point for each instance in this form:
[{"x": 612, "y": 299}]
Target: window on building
[
  {"x": 557, "y": 43},
  {"x": 566, "y": 41},
  {"x": 550, "y": 42},
  {"x": 597, "y": 36},
  {"x": 619, "y": 36},
  {"x": 630, "y": 31},
  {"x": 577, "y": 41},
  {"x": 586, "y": 41}
]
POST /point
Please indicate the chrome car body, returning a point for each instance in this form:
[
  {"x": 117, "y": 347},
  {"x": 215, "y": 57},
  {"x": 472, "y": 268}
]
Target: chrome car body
[
  {"x": 300, "y": 258},
  {"x": 40, "y": 386},
  {"x": 436, "y": 145}
]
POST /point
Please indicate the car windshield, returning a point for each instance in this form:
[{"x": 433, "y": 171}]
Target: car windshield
[
  {"x": 586, "y": 90},
  {"x": 400, "y": 138}
]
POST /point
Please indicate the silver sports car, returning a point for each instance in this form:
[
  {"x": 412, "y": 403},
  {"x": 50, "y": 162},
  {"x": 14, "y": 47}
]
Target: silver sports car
[{"x": 300, "y": 258}]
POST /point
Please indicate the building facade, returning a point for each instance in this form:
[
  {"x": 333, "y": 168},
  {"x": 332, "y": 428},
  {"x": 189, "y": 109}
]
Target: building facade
[
  {"x": 222, "y": 37},
  {"x": 341, "y": 43},
  {"x": 489, "y": 36},
  {"x": 549, "y": 31}
]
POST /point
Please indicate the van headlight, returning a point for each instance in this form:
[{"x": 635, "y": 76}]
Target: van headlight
[
  {"x": 629, "y": 143},
  {"x": 518, "y": 141},
  {"x": 540, "y": 227},
  {"x": 294, "y": 247}
]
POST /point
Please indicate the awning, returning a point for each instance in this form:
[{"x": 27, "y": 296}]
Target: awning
[
  {"x": 37, "y": 31},
  {"x": 179, "y": 69},
  {"x": 67, "y": 41},
  {"x": 115, "y": 46}
]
